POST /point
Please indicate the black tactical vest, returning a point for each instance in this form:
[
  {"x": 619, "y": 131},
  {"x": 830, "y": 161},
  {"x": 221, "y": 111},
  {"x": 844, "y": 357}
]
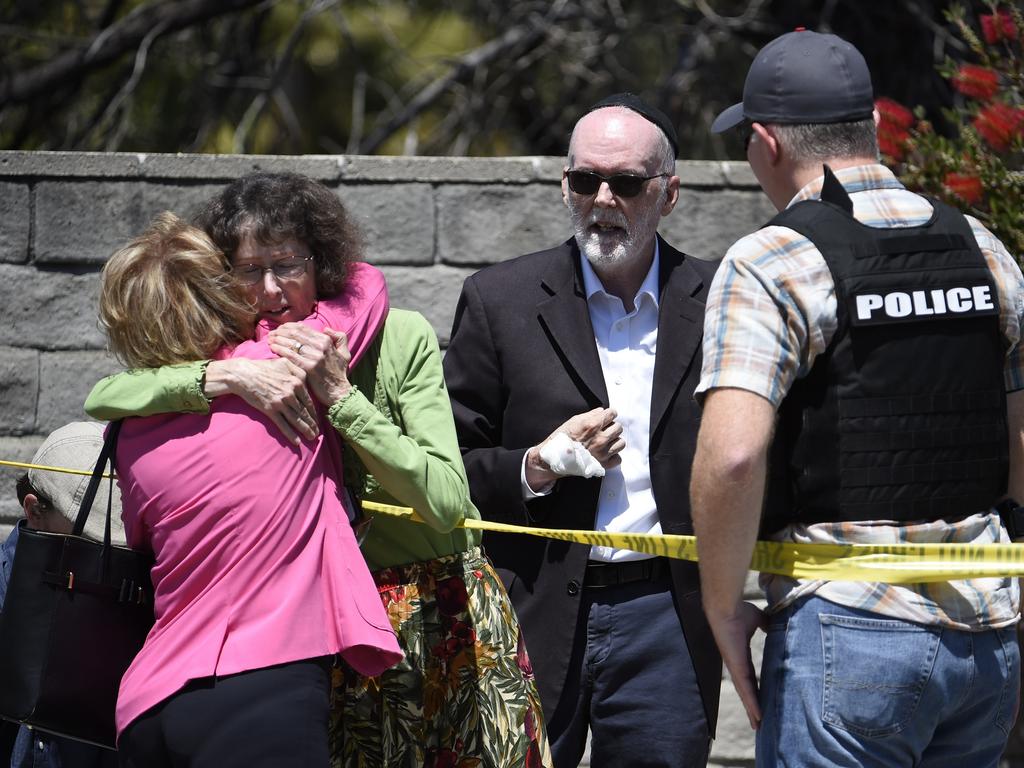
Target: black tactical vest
[{"x": 903, "y": 417}]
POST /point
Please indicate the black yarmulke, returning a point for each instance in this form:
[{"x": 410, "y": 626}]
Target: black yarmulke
[{"x": 634, "y": 103}]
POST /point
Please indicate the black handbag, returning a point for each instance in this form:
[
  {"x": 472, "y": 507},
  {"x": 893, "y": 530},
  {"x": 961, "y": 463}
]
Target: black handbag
[{"x": 76, "y": 613}]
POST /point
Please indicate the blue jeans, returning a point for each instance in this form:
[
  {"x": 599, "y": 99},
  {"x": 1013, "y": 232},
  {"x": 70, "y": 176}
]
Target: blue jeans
[
  {"x": 631, "y": 680},
  {"x": 35, "y": 749},
  {"x": 845, "y": 687}
]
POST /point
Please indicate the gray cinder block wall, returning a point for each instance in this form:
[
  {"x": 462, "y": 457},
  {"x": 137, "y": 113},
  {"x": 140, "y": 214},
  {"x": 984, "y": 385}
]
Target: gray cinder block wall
[{"x": 429, "y": 222}]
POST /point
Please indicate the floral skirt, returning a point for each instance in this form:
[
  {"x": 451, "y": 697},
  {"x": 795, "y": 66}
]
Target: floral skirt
[{"x": 463, "y": 696}]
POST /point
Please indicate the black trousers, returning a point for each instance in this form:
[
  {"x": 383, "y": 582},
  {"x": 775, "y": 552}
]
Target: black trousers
[{"x": 275, "y": 717}]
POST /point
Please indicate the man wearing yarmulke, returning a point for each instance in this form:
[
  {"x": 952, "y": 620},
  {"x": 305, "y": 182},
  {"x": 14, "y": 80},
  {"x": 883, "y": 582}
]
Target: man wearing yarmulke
[
  {"x": 571, "y": 373},
  {"x": 50, "y": 501},
  {"x": 862, "y": 384}
]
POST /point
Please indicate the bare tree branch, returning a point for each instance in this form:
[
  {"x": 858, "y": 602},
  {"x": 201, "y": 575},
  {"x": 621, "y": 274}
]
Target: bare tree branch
[
  {"x": 129, "y": 87},
  {"x": 106, "y": 18},
  {"x": 40, "y": 36},
  {"x": 520, "y": 36},
  {"x": 123, "y": 36},
  {"x": 355, "y": 131},
  {"x": 289, "y": 117},
  {"x": 513, "y": 77},
  {"x": 741, "y": 20},
  {"x": 259, "y": 104}
]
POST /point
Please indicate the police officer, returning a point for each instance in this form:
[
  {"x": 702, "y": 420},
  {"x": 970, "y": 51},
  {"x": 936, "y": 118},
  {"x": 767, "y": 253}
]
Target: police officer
[{"x": 861, "y": 384}]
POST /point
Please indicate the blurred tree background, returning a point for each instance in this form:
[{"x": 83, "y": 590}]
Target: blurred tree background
[{"x": 430, "y": 77}]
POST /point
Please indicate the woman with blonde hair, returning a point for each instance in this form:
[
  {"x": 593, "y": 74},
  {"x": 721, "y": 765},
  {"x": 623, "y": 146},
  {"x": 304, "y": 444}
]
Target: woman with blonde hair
[
  {"x": 258, "y": 579},
  {"x": 465, "y": 693}
]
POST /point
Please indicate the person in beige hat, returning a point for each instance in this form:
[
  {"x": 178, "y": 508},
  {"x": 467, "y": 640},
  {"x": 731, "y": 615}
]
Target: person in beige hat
[{"x": 50, "y": 501}]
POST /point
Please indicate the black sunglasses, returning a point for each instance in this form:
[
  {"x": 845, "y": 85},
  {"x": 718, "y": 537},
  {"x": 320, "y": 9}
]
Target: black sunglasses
[{"x": 621, "y": 184}]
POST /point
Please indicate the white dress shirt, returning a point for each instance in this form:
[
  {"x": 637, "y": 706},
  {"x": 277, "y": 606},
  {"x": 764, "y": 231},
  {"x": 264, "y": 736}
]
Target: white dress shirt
[{"x": 626, "y": 346}]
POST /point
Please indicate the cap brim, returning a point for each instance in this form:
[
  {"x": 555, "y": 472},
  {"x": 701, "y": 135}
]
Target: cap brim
[{"x": 729, "y": 118}]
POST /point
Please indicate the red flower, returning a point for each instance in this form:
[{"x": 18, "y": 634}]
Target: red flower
[
  {"x": 438, "y": 651},
  {"x": 894, "y": 120},
  {"x": 999, "y": 124},
  {"x": 998, "y": 26},
  {"x": 464, "y": 633},
  {"x": 892, "y": 143},
  {"x": 441, "y": 758},
  {"x": 530, "y": 724},
  {"x": 446, "y": 649},
  {"x": 523, "y": 658},
  {"x": 894, "y": 113},
  {"x": 979, "y": 83},
  {"x": 533, "y": 756},
  {"x": 964, "y": 186},
  {"x": 451, "y": 596}
]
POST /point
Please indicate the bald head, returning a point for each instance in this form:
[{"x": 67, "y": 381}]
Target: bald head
[{"x": 618, "y": 134}]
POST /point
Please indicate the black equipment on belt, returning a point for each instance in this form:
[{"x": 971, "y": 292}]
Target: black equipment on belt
[{"x": 1012, "y": 515}]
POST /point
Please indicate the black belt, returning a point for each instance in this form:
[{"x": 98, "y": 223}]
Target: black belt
[{"x": 610, "y": 574}]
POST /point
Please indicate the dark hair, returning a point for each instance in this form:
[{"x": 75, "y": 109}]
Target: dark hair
[
  {"x": 24, "y": 487},
  {"x": 272, "y": 207}
]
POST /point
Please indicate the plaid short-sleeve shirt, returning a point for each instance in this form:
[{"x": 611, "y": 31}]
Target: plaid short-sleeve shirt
[{"x": 771, "y": 311}]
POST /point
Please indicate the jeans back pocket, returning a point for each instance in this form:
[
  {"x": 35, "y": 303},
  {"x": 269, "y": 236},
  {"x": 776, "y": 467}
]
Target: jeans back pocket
[{"x": 875, "y": 672}]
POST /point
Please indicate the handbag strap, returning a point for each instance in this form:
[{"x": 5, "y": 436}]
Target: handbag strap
[{"x": 107, "y": 453}]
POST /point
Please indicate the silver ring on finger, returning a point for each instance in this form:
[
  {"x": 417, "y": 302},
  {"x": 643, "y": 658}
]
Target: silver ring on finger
[{"x": 298, "y": 348}]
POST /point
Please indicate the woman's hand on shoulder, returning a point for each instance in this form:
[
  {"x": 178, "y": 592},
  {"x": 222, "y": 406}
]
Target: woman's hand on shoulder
[
  {"x": 276, "y": 388},
  {"x": 324, "y": 357}
]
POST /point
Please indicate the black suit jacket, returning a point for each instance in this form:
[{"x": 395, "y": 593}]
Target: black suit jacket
[{"x": 522, "y": 360}]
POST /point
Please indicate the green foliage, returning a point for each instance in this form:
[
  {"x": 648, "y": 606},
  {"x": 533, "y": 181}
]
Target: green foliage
[
  {"x": 429, "y": 77},
  {"x": 978, "y": 167},
  {"x": 447, "y": 77}
]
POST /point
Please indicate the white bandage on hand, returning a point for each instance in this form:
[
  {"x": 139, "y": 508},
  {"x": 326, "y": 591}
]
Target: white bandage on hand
[{"x": 569, "y": 457}]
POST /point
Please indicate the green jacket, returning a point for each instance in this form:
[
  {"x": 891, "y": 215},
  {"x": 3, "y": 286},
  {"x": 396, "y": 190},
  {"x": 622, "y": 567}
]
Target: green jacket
[{"x": 400, "y": 443}]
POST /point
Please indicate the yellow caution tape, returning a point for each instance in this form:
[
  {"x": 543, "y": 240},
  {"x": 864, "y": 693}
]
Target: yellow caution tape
[
  {"x": 65, "y": 470},
  {"x": 888, "y": 563}
]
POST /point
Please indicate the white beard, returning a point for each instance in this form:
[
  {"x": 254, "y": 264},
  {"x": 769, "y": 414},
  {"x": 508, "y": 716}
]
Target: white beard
[{"x": 617, "y": 244}]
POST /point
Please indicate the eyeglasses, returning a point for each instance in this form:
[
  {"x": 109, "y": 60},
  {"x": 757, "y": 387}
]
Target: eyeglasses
[
  {"x": 621, "y": 184},
  {"x": 286, "y": 269}
]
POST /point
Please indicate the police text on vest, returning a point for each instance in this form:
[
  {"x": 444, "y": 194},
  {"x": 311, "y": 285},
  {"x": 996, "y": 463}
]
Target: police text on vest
[{"x": 922, "y": 303}]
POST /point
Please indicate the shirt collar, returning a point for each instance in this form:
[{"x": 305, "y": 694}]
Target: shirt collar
[
  {"x": 857, "y": 178},
  {"x": 592, "y": 283}
]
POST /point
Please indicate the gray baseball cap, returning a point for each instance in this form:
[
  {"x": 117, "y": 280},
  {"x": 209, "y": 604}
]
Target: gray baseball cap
[
  {"x": 77, "y": 446},
  {"x": 803, "y": 77}
]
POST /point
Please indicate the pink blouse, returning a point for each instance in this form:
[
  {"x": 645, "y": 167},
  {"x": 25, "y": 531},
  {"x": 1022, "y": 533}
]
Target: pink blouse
[{"x": 256, "y": 562}]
